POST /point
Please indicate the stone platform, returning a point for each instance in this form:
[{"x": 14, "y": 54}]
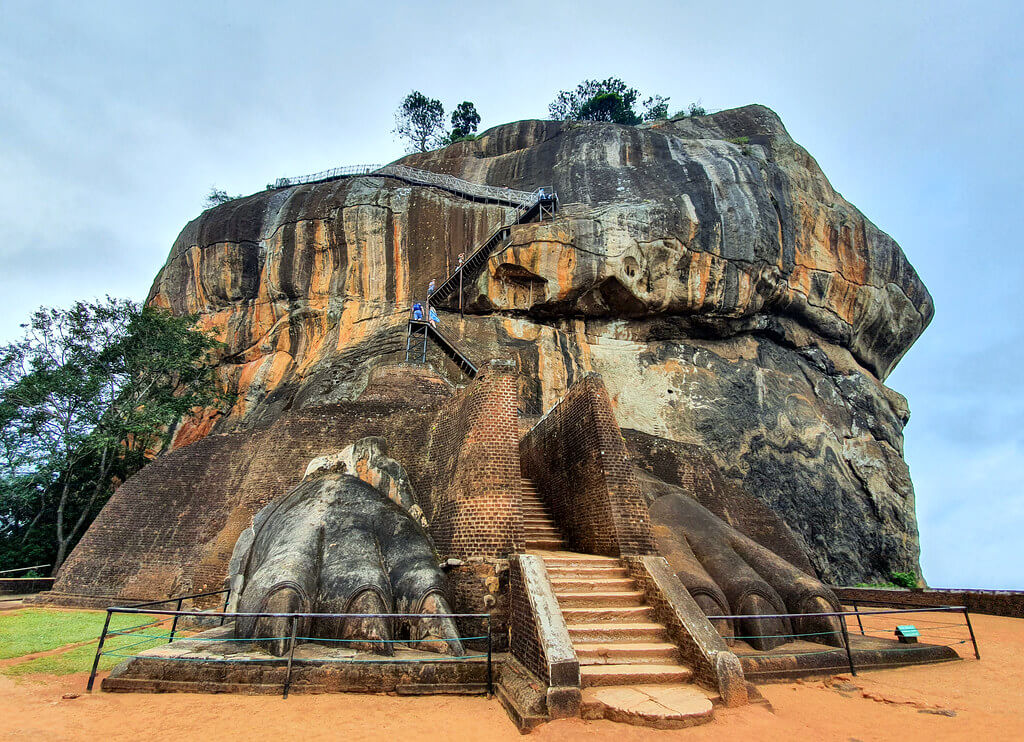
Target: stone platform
[
  {"x": 807, "y": 659},
  {"x": 658, "y": 706},
  {"x": 213, "y": 662}
]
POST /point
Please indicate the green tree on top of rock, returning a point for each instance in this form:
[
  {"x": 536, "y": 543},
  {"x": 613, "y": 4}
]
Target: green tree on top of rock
[
  {"x": 605, "y": 100},
  {"x": 84, "y": 395},
  {"x": 465, "y": 119},
  {"x": 420, "y": 121}
]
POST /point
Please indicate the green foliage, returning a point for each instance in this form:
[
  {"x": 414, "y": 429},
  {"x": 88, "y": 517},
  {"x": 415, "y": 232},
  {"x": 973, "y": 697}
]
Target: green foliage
[
  {"x": 606, "y": 100},
  {"x": 656, "y": 108},
  {"x": 904, "y": 579},
  {"x": 739, "y": 140},
  {"x": 465, "y": 120},
  {"x": 216, "y": 197},
  {"x": 694, "y": 109},
  {"x": 84, "y": 395},
  {"x": 608, "y": 107},
  {"x": 880, "y": 585},
  {"x": 420, "y": 121}
]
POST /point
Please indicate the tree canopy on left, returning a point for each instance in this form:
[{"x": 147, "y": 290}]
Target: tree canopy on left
[{"x": 85, "y": 395}]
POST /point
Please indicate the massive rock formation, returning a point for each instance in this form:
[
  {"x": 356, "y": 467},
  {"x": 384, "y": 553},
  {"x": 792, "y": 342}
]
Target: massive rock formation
[{"x": 730, "y": 298}]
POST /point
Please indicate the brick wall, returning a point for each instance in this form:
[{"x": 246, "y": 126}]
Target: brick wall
[
  {"x": 991, "y": 602},
  {"x": 578, "y": 458},
  {"x": 475, "y": 508},
  {"x": 524, "y": 642},
  {"x": 540, "y": 638}
]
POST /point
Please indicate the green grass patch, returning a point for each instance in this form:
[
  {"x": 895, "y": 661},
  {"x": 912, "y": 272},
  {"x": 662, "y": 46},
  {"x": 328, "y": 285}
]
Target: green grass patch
[
  {"x": 80, "y": 659},
  {"x": 38, "y": 630}
]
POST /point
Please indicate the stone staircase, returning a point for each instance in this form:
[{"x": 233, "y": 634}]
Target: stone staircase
[
  {"x": 612, "y": 628},
  {"x": 629, "y": 670},
  {"x": 539, "y": 528}
]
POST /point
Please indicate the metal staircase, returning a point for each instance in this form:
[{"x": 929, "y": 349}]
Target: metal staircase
[{"x": 422, "y": 328}]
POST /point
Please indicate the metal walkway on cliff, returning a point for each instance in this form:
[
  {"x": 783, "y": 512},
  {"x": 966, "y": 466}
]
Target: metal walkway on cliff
[
  {"x": 428, "y": 331},
  {"x": 528, "y": 205},
  {"x": 521, "y": 200},
  {"x": 542, "y": 202}
]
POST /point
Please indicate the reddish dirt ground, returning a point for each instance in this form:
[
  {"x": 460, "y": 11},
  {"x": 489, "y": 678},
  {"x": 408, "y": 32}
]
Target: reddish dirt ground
[{"x": 974, "y": 700}]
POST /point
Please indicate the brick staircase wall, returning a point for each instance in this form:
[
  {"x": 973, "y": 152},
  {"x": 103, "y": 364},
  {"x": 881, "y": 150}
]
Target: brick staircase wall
[
  {"x": 539, "y": 637},
  {"x": 473, "y": 450},
  {"x": 578, "y": 458}
]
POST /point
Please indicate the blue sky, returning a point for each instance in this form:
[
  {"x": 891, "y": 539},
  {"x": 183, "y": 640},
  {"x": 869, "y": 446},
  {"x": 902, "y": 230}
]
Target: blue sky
[{"x": 116, "y": 119}]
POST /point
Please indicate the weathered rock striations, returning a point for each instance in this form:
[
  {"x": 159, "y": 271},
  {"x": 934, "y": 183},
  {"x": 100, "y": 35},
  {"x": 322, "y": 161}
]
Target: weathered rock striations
[{"x": 730, "y": 298}]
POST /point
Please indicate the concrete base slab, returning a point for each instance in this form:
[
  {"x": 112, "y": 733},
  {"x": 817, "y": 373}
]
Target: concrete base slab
[
  {"x": 658, "y": 706},
  {"x": 213, "y": 662},
  {"x": 807, "y": 659}
]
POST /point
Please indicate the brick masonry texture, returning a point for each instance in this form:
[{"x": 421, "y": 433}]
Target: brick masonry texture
[
  {"x": 525, "y": 642},
  {"x": 475, "y": 508},
  {"x": 578, "y": 458},
  {"x": 994, "y": 603}
]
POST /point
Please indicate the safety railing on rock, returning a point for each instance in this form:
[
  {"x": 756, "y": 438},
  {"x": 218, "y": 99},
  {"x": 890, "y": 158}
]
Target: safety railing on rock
[
  {"x": 334, "y": 172},
  {"x": 293, "y": 637},
  {"x": 523, "y": 200},
  {"x": 924, "y": 628}
]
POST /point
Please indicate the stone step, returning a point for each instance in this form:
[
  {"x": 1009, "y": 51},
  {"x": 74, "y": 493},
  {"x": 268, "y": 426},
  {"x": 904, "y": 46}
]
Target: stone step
[
  {"x": 542, "y": 522},
  {"x": 658, "y": 706},
  {"x": 570, "y": 559},
  {"x": 549, "y": 532},
  {"x": 626, "y": 653},
  {"x": 594, "y": 599},
  {"x": 617, "y": 614},
  {"x": 586, "y": 573},
  {"x": 637, "y": 631},
  {"x": 545, "y": 544},
  {"x": 573, "y": 584},
  {"x": 644, "y": 674}
]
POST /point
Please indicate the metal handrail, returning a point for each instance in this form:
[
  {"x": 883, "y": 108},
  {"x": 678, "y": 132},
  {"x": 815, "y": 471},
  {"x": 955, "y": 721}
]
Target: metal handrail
[
  {"x": 140, "y": 608},
  {"x": 23, "y": 569},
  {"x": 334, "y": 172},
  {"x": 522, "y": 200}
]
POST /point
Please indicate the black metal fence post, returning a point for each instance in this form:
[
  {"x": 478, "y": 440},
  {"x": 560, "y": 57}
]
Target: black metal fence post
[
  {"x": 857, "y": 611},
  {"x": 291, "y": 654},
  {"x": 846, "y": 645},
  {"x": 490, "y": 676},
  {"x": 227, "y": 598},
  {"x": 174, "y": 623},
  {"x": 99, "y": 651},
  {"x": 967, "y": 617}
]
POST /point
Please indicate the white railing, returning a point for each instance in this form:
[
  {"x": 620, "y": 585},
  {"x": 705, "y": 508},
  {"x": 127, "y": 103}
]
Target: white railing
[
  {"x": 450, "y": 182},
  {"x": 334, "y": 172},
  {"x": 522, "y": 199}
]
